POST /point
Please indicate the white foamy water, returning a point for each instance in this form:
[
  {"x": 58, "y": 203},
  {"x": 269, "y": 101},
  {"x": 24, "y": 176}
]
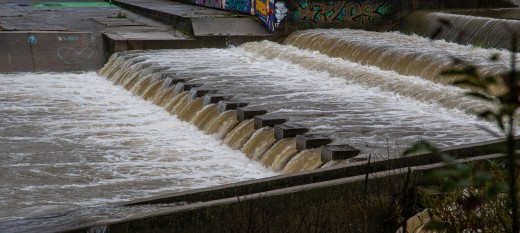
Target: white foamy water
[
  {"x": 76, "y": 140},
  {"x": 377, "y": 111}
]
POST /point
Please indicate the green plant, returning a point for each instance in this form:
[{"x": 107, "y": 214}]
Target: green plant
[{"x": 473, "y": 191}]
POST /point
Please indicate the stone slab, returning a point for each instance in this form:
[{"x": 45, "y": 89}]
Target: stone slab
[
  {"x": 309, "y": 141},
  {"x": 215, "y": 98},
  {"x": 223, "y": 106},
  {"x": 182, "y": 87},
  {"x": 288, "y": 130},
  {"x": 268, "y": 121},
  {"x": 199, "y": 92},
  {"x": 249, "y": 113},
  {"x": 338, "y": 152}
]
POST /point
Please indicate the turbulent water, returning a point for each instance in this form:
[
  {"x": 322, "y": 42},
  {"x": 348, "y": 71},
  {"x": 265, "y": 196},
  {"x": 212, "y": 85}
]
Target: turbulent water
[
  {"x": 73, "y": 143},
  {"x": 70, "y": 141},
  {"x": 375, "y": 110}
]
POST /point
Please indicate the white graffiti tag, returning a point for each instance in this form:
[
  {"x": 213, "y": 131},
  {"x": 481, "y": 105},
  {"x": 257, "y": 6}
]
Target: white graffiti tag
[{"x": 281, "y": 12}]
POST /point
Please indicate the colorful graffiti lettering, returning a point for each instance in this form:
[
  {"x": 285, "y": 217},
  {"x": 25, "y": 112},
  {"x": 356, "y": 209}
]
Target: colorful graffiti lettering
[
  {"x": 264, "y": 10},
  {"x": 242, "y": 6},
  {"x": 355, "y": 13}
]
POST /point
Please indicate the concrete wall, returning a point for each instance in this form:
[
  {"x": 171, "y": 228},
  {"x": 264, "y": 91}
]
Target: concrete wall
[
  {"x": 50, "y": 51},
  {"x": 372, "y": 203},
  {"x": 285, "y": 16}
]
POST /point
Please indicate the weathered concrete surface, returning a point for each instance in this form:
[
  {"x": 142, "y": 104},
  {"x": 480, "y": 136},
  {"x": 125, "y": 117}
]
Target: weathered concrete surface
[
  {"x": 204, "y": 26},
  {"x": 343, "y": 208},
  {"x": 338, "y": 171},
  {"x": 80, "y": 29},
  {"x": 50, "y": 51}
]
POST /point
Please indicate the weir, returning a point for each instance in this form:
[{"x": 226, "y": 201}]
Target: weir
[{"x": 310, "y": 110}]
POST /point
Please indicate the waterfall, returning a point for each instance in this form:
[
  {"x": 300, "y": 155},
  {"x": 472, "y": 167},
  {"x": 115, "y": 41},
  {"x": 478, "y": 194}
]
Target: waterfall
[{"x": 463, "y": 29}]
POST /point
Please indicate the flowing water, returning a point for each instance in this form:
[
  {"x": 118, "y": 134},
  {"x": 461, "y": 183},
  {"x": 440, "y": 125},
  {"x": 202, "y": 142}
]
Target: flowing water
[
  {"x": 72, "y": 143},
  {"x": 476, "y": 29},
  {"x": 377, "y": 110}
]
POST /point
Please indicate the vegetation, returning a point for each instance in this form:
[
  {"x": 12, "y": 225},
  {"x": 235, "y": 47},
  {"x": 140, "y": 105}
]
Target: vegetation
[{"x": 481, "y": 198}]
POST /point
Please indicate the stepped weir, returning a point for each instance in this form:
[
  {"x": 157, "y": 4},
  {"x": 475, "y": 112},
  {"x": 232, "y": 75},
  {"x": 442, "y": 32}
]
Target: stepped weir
[{"x": 307, "y": 113}]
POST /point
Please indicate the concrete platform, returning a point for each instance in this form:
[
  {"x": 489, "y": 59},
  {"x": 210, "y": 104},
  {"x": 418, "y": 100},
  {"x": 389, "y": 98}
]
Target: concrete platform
[
  {"x": 157, "y": 24},
  {"x": 204, "y": 27},
  {"x": 80, "y": 30}
]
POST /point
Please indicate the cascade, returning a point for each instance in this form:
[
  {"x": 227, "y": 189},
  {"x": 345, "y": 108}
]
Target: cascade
[
  {"x": 474, "y": 29},
  {"x": 239, "y": 136},
  {"x": 152, "y": 91},
  {"x": 177, "y": 103},
  {"x": 304, "y": 160},
  {"x": 259, "y": 142},
  {"x": 391, "y": 51},
  {"x": 348, "y": 85},
  {"x": 279, "y": 154},
  {"x": 163, "y": 96},
  {"x": 224, "y": 123},
  {"x": 203, "y": 116},
  {"x": 410, "y": 86},
  {"x": 190, "y": 109}
]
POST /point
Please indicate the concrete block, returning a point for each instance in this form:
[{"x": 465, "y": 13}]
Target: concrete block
[
  {"x": 309, "y": 141},
  {"x": 268, "y": 121},
  {"x": 338, "y": 152},
  {"x": 182, "y": 87},
  {"x": 288, "y": 130},
  {"x": 225, "y": 105},
  {"x": 249, "y": 113},
  {"x": 171, "y": 81},
  {"x": 196, "y": 93},
  {"x": 215, "y": 98}
]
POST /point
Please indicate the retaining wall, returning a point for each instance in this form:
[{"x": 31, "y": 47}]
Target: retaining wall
[
  {"x": 50, "y": 51},
  {"x": 284, "y": 16}
]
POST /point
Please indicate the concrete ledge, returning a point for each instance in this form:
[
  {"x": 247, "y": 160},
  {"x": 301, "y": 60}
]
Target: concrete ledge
[
  {"x": 196, "y": 93},
  {"x": 215, "y": 98},
  {"x": 288, "y": 130},
  {"x": 249, "y": 113},
  {"x": 172, "y": 81},
  {"x": 309, "y": 141},
  {"x": 216, "y": 215},
  {"x": 268, "y": 121},
  {"x": 182, "y": 87},
  {"x": 338, "y": 152},
  {"x": 224, "y": 106},
  {"x": 318, "y": 175}
]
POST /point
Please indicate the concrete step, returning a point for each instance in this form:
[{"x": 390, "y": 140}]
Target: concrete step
[{"x": 203, "y": 27}]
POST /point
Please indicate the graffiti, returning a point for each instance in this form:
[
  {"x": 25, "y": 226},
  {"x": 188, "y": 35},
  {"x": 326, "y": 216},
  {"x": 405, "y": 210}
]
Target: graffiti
[
  {"x": 73, "y": 56},
  {"x": 242, "y": 6},
  {"x": 355, "y": 13},
  {"x": 210, "y": 3},
  {"x": 280, "y": 13},
  {"x": 264, "y": 10},
  {"x": 31, "y": 39},
  {"x": 68, "y": 38}
]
